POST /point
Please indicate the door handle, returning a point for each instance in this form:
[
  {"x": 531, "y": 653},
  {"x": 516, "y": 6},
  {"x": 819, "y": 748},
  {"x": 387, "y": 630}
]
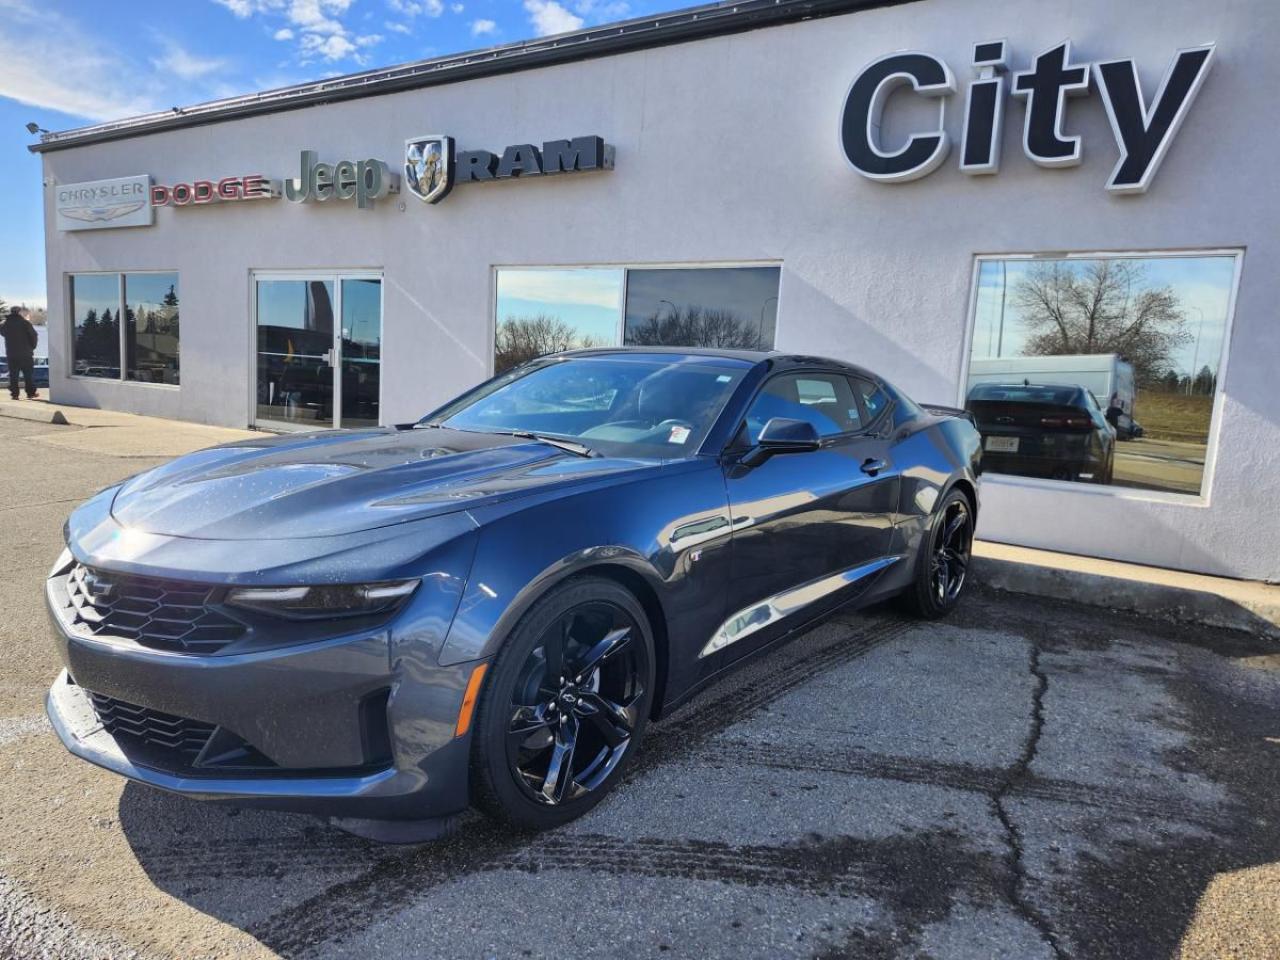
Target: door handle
[{"x": 873, "y": 465}]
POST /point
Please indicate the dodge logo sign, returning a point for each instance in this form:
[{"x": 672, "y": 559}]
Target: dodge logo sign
[{"x": 428, "y": 167}]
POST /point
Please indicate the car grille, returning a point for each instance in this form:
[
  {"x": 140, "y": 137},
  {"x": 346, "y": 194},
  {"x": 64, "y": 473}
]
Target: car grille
[
  {"x": 161, "y": 738},
  {"x": 160, "y": 614}
]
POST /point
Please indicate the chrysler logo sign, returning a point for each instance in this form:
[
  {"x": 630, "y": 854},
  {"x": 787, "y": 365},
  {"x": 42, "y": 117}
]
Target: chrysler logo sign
[
  {"x": 97, "y": 204},
  {"x": 1144, "y": 127}
]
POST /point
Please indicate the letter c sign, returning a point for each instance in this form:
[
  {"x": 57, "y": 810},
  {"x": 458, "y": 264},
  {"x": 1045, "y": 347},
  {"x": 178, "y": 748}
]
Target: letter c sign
[{"x": 864, "y": 104}]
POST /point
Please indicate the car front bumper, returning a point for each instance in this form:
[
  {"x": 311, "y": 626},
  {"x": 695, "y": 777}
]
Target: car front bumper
[{"x": 303, "y": 709}]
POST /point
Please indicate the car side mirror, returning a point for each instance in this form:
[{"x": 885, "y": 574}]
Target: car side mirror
[{"x": 782, "y": 435}]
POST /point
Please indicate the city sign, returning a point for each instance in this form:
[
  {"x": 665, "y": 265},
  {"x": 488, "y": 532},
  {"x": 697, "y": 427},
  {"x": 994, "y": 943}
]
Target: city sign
[{"x": 1143, "y": 130}]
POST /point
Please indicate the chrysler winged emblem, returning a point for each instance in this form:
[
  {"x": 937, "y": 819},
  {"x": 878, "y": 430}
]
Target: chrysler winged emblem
[{"x": 428, "y": 167}]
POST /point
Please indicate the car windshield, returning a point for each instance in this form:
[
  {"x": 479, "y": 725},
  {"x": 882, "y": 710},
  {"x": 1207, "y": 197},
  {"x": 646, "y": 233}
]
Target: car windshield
[{"x": 642, "y": 406}]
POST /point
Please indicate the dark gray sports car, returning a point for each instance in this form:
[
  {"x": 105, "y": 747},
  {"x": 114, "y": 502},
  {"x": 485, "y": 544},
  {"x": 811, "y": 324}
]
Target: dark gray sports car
[{"x": 486, "y": 607}]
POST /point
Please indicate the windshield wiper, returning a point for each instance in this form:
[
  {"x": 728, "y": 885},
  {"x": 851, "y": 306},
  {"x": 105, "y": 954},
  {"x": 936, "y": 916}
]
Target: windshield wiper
[{"x": 571, "y": 446}]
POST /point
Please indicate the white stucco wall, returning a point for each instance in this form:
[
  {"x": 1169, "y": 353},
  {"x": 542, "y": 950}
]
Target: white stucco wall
[{"x": 727, "y": 151}]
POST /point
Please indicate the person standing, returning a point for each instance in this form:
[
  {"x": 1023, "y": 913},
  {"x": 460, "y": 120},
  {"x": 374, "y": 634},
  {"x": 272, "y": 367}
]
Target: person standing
[{"x": 20, "y": 340}]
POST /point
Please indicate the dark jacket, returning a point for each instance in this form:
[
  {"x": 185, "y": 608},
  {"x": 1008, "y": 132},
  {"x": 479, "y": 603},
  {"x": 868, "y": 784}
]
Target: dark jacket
[{"x": 20, "y": 337}]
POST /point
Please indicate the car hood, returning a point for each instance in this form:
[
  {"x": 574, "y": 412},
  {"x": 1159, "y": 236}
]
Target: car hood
[{"x": 336, "y": 482}]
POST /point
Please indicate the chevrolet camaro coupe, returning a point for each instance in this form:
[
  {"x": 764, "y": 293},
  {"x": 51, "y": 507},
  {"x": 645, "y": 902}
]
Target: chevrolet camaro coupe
[{"x": 486, "y": 607}]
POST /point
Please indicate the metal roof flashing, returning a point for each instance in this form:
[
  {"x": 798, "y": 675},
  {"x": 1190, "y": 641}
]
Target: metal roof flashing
[{"x": 679, "y": 26}]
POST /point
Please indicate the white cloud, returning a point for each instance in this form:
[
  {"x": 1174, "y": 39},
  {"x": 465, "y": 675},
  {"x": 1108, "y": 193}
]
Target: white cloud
[
  {"x": 89, "y": 84},
  {"x": 457, "y": 7},
  {"x": 284, "y": 33},
  {"x": 480, "y": 28},
  {"x": 182, "y": 63},
  {"x": 398, "y": 27},
  {"x": 241, "y": 8},
  {"x": 331, "y": 47},
  {"x": 548, "y": 17},
  {"x": 413, "y": 8}
]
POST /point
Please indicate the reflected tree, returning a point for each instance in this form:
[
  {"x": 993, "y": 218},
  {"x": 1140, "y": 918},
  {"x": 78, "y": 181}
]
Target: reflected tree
[
  {"x": 697, "y": 327},
  {"x": 1101, "y": 306},
  {"x": 521, "y": 338}
]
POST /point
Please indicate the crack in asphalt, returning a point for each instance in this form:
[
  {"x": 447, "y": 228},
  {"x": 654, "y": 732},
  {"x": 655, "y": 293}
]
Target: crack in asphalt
[{"x": 1014, "y": 776}]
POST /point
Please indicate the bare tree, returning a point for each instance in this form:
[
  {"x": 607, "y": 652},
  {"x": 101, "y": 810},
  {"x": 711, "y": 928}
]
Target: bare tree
[
  {"x": 1101, "y": 306},
  {"x": 521, "y": 338},
  {"x": 696, "y": 327}
]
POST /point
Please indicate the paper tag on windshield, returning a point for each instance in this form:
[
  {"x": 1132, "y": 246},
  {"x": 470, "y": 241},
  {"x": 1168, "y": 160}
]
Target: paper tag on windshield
[{"x": 678, "y": 435}]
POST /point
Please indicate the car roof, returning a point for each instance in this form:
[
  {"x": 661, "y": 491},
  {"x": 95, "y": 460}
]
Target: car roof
[
  {"x": 775, "y": 358},
  {"x": 1027, "y": 386}
]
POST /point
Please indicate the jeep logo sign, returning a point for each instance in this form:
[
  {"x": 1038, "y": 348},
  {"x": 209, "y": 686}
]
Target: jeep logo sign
[{"x": 1143, "y": 129}]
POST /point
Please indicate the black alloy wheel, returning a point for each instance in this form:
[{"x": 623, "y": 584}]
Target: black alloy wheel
[
  {"x": 942, "y": 561},
  {"x": 568, "y": 702},
  {"x": 952, "y": 545}
]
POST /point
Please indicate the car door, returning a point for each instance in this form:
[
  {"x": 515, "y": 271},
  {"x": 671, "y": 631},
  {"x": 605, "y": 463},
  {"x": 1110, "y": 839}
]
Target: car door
[{"x": 810, "y": 529}]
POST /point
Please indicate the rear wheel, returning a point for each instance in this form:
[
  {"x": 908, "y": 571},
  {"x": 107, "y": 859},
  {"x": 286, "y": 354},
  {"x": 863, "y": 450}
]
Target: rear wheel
[
  {"x": 942, "y": 564},
  {"x": 565, "y": 706}
]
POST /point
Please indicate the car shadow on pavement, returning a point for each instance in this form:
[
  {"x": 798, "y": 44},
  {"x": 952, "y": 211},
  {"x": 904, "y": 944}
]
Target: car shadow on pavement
[{"x": 1056, "y": 850}]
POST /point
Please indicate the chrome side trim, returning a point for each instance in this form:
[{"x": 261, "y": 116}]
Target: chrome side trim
[{"x": 772, "y": 609}]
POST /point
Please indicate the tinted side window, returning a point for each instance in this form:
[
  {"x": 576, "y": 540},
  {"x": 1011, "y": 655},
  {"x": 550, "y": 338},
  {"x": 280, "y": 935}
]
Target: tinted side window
[
  {"x": 873, "y": 398},
  {"x": 824, "y": 400}
]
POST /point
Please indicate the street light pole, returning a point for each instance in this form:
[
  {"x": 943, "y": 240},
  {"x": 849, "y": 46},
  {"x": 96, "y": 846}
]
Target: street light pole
[{"x": 1195, "y": 356}]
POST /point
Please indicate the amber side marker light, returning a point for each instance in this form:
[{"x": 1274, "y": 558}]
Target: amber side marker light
[{"x": 469, "y": 700}]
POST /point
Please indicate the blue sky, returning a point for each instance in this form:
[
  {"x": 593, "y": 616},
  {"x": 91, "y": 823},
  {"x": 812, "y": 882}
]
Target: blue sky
[{"x": 73, "y": 62}]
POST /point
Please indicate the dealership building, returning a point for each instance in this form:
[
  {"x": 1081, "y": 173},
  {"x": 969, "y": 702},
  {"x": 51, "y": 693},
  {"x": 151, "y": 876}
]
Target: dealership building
[{"x": 911, "y": 186}]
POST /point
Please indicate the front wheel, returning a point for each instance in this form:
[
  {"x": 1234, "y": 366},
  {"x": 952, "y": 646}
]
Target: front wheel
[
  {"x": 942, "y": 563},
  {"x": 565, "y": 705}
]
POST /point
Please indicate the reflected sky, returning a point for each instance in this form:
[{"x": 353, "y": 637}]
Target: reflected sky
[{"x": 1202, "y": 285}]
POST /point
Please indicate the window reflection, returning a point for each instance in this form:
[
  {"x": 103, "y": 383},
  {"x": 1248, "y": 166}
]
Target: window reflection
[
  {"x": 95, "y": 317},
  {"x": 1099, "y": 370},
  {"x": 550, "y": 311},
  {"x": 361, "y": 351},
  {"x": 728, "y": 307},
  {"x": 151, "y": 327},
  {"x": 295, "y": 351},
  {"x": 543, "y": 311}
]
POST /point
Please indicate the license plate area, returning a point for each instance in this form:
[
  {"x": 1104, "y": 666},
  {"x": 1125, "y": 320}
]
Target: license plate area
[{"x": 1002, "y": 444}]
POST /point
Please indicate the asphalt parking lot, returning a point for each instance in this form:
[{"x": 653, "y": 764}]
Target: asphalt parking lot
[{"x": 1029, "y": 779}]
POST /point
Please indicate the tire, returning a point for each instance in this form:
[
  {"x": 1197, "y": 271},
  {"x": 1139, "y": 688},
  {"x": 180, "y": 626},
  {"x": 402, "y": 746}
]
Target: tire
[
  {"x": 924, "y": 598},
  {"x": 533, "y": 717}
]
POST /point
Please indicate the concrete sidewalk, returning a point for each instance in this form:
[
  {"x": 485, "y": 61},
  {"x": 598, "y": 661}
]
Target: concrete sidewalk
[
  {"x": 109, "y": 433},
  {"x": 1149, "y": 591}
]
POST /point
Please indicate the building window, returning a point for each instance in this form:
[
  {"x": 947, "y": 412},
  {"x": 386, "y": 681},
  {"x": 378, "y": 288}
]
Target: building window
[
  {"x": 151, "y": 327},
  {"x": 541, "y": 311},
  {"x": 95, "y": 313},
  {"x": 132, "y": 315},
  {"x": 1100, "y": 369}
]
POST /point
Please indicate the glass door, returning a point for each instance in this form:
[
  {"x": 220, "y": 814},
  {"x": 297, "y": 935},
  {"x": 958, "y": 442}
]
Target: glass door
[
  {"x": 360, "y": 352},
  {"x": 313, "y": 372}
]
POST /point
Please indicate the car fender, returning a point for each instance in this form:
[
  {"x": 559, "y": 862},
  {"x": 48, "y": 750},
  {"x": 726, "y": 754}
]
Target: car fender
[{"x": 640, "y": 530}]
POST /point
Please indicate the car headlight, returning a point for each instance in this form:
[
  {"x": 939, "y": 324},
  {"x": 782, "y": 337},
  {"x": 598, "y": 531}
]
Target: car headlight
[{"x": 323, "y": 601}]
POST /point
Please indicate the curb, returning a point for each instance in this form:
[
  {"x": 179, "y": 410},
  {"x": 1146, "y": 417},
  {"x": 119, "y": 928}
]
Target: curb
[
  {"x": 1218, "y": 602},
  {"x": 44, "y": 414}
]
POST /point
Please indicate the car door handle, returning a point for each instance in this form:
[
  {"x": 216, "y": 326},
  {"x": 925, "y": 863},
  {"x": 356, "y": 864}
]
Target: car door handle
[{"x": 873, "y": 466}]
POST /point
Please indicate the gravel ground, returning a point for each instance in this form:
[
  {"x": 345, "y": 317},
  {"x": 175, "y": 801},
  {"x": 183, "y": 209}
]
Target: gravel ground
[{"x": 1028, "y": 779}]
